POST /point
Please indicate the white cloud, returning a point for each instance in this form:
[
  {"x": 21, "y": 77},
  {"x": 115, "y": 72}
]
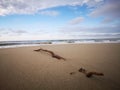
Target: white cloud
[
  {"x": 91, "y": 32},
  {"x": 107, "y": 20},
  {"x": 95, "y": 29},
  {"x": 76, "y": 20},
  {"x": 34, "y": 6},
  {"x": 110, "y": 10},
  {"x": 74, "y": 32},
  {"x": 18, "y": 31},
  {"x": 93, "y": 3}
]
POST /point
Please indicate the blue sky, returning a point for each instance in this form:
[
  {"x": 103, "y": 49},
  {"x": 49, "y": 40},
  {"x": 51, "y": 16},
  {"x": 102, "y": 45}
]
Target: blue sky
[{"x": 59, "y": 19}]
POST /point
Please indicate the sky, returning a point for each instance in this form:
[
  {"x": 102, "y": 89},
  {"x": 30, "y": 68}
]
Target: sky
[{"x": 59, "y": 19}]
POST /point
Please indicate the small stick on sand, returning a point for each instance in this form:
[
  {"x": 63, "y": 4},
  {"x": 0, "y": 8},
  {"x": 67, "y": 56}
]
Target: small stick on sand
[
  {"x": 90, "y": 74},
  {"x": 52, "y": 53}
]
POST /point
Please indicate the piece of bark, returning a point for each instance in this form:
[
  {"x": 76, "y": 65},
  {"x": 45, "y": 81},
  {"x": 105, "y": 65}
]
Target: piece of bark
[
  {"x": 82, "y": 70},
  {"x": 90, "y": 74},
  {"x": 72, "y": 73},
  {"x": 52, "y": 53}
]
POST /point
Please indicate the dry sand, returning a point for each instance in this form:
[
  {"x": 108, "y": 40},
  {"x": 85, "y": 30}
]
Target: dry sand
[{"x": 24, "y": 69}]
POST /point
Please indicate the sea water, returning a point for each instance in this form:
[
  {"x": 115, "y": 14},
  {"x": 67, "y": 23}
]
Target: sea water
[{"x": 12, "y": 44}]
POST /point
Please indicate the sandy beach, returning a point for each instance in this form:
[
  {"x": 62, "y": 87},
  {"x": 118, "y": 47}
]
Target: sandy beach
[{"x": 24, "y": 69}]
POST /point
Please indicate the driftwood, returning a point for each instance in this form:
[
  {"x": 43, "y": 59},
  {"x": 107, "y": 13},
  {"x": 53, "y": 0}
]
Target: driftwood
[
  {"x": 52, "y": 53},
  {"x": 90, "y": 74}
]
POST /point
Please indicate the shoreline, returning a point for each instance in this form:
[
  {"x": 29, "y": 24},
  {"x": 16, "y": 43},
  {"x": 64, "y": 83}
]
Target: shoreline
[
  {"x": 22, "y": 43},
  {"x": 18, "y": 46}
]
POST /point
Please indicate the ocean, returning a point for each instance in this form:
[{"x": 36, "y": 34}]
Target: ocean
[{"x": 12, "y": 44}]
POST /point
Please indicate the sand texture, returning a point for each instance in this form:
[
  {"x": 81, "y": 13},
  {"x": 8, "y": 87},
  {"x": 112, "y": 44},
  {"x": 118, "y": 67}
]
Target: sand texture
[{"x": 25, "y": 69}]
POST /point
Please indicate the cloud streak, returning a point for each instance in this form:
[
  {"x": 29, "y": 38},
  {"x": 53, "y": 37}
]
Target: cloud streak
[
  {"x": 9, "y": 31},
  {"x": 97, "y": 29},
  {"x": 76, "y": 20}
]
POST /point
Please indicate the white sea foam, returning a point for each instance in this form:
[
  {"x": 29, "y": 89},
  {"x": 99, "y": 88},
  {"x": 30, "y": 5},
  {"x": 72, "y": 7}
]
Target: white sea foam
[{"x": 13, "y": 44}]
